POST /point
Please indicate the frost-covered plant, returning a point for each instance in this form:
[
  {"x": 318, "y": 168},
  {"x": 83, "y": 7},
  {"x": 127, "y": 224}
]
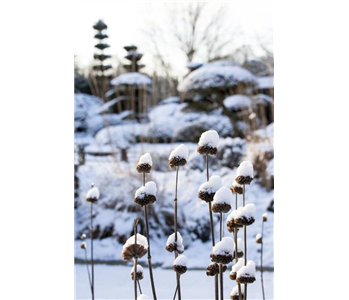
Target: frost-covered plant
[
  {"x": 145, "y": 196},
  {"x": 178, "y": 157},
  {"x": 173, "y": 245},
  {"x": 92, "y": 196},
  {"x": 180, "y": 264},
  {"x": 246, "y": 274},
  {"x": 139, "y": 276},
  {"x": 208, "y": 143}
]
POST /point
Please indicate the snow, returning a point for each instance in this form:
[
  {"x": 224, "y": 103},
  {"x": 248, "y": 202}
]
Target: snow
[
  {"x": 249, "y": 269},
  {"x": 171, "y": 240},
  {"x": 266, "y": 82},
  {"x": 181, "y": 260},
  {"x": 236, "y": 102},
  {"x": 131, "y": 78},
  {"x": 172, "y": 99},
  {"x": 209, "y": 138},
  {"x": 212, "y": 186},
  {"x": 248, "y": 211},
  {"x": 93, "y": 193},
  {"x": 240, "y": 245},
  {"x": 223, "y": 195},
  {"x": 141, "y": 240},
  {"x": 232, "y": 215},
  {"x": 139, "y": 269},
  {"x": 265, "y": 215},
  {"x": 235, "y": 291},
  {"x": 226, "y": 245},
  {"x": 245, "y": 169},
  {"x": 83, "y": 245},
  {"x": 145, "y": 159},
  {"x": 107, "y": 105},
  {"x": 142, "y": 297},
  {"x": 258, "y": 236},
  {"x": 83, "y": 236},
  {"x": 193, "y": 65},
  {"x": 148, "y": 189},
  {"x": 215, "y": 76},
  {"x": 236, "y": 267},
  {"x": 236, "y": 184},
  {"x": 263, "y": 98},
  {"x": 181, "y": 152}
]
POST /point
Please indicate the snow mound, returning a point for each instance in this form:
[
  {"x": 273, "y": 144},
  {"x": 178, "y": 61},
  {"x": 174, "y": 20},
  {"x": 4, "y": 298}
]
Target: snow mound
[
  {"x": 215, "y": 76},
  {"x": 236, "y": 102},
  {"x": 131, "y": 78},
  {"x": 141, "y": 240},
  {"x": 181, "y": 152},
  {"x": 223, "y": 195},
  {"x": 145, "y": 159},
  {"x": 209, "y": 138},
  {"x": 212, "y": 186},
  {"x": 181, "y": 261},
  {"x": 172, "y": 99},
  {"x": 142, "y": 297},
  {"x": 249, "y": 269},
  {"x": 245, "y": 169},
  {"x": 266, "y": 82},
  {"x": 226, "y": 245},
  {"x": 148, "y": 189},
  {"x": 171, "y": 240}
]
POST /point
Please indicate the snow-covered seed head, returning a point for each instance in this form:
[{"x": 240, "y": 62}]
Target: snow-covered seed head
[
  {"x": 180, "y": 264},
  {"x": 92, "y": 194},
  {"x": 83, "y": 236},
  {"x": 234, "y": 295},
  {"x": 223, "y": 251},
  {"x": 259, "y": 238},
  {"x": 131, "y": 250},
  {"x": 247, "y": 273},
  {"x": 139, "y": 273},
  {"x": 245, "y": 215},
  {"x": 235, "y": 268},
  {"x": 265, "y": 217},
  {"x": 230, "y": 222},
  {"x": 208, "y": 143},
  {"x": 178, "y": 156},
  {"x": 244, "y": 173},
  {"x": 172, "y": 245},
  {"x": 144, "y": 164},
  {"x": 208, "y": 189},
  {"x": 237, "y": 188},
  {"x": 213, "y": 269},
  {"x": 146, "y": 194},
  {"x": 222, "y": 200},
  {"x": 83, "y": 245}
]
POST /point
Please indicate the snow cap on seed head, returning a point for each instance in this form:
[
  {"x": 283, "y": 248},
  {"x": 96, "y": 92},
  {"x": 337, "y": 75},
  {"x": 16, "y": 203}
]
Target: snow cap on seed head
[
  {"x": 181, "y": 260},
  {"x": 225, "y": 245},
  {"x": 245, "y": 169},
  {"x": 235, "y": 291},
  {"x": 148, "y": 189},
  {"x": 265, "y": 217},
  {"x": 236, "y": 184},
  {"x": 223, "y": 195},
  {"x": 139, "y": 269},
  {"x": 209, "y": 138},
  {"x": 83, "y": 236},
  {"x": 247, "y": 211},
  {"x": 142, "y": 297},
  {"x": 92, "y": 194},
  {"x": 212, "y": 186},
  {"x": 181, "y": 152},
  {"x": 83, "y": 245},
  {"x": 249, "y": 269},
  {"x": 145, "y": 159}
]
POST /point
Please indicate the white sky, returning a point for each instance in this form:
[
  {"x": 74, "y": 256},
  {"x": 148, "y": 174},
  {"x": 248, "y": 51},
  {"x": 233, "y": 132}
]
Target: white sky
[{"x": 126, "y": 20}]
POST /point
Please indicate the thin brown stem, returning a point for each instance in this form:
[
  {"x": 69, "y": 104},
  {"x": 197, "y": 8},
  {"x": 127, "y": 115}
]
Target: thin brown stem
[
  {"x": 245, "y": 242},
  {"x": 221, "y": 280},
  {"x": 149, "y": 253},
  {"x": 220, "y": 265},
  {"x": 88, "y": 270},
  {"x": 135, "y": 258},
  {"x": 92, "y": 265},
  {"x": 212, "y": 230},
  {"x": 236, "y": 244},
  {"x": 139, "y": 286},
  {"x": 262, "y": 261},
  {"x": 176, "y": 234},
  {"x": 174, "y": 296}
]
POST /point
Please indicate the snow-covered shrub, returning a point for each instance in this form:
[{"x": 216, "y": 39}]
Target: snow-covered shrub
[{"x": 231, "y": 151}]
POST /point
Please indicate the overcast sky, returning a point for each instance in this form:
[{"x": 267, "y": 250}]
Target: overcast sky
[{"x": 126, "y": 20}]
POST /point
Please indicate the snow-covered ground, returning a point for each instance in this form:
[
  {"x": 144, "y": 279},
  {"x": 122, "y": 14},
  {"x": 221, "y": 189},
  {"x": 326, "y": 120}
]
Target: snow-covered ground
[{"x": 114, "y": 282}]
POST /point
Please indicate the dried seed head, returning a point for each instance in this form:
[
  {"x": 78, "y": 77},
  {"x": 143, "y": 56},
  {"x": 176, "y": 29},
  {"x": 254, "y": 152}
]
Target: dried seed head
[
  {"x": 243, "y": 179},
  {"x": 143, "y": 168},
  {"x": 220, "y": 207},
  {"x": 93, "y": 194},
  {"x": 145, "y": 163},
  {"x": 208, "y": 143},
  {"x": 177, "y": 161},
  {"x": 131, "y": 250},
  {"x": 83, "y": 236},
  {"x": 259, "y": 238},
  {"x": 265, "y": 217},
  {"x": 222, "y": 258},
  {"x": 83, "y": 245},
  {"x": 207, "y": 150},
  {"x": 180, "y": 264},
  {"x": 139, "y": 273},
  {"x": 178, "y": 156}
]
